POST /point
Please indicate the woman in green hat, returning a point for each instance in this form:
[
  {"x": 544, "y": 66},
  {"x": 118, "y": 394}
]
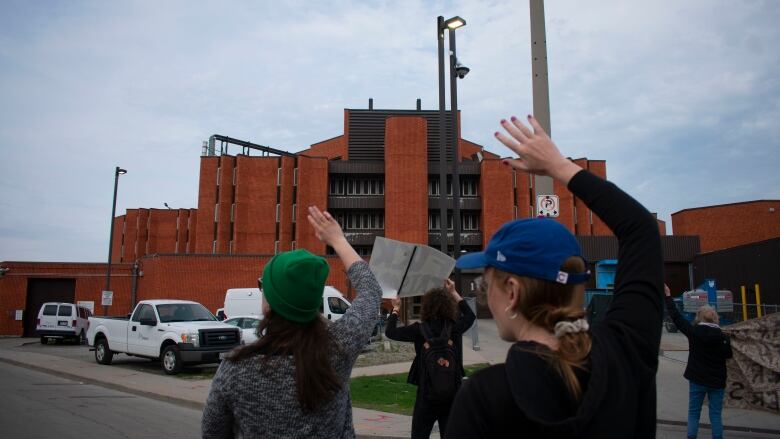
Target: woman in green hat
[{"x": 294, "y": 381}]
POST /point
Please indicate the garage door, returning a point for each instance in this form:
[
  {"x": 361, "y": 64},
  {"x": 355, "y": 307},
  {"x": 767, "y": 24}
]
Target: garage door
[{"x": 40, "y": 291}]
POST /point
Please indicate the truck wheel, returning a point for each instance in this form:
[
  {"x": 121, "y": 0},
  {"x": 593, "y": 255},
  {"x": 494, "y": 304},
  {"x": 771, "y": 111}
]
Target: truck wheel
[
  {"x": 103, "y": 354},
  {"x": 44, "y": 340},
  {"x": 171, "y": 360}
]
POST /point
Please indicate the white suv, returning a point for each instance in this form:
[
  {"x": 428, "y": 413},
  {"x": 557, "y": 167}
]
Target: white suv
[{"x": 58, "y": 320}]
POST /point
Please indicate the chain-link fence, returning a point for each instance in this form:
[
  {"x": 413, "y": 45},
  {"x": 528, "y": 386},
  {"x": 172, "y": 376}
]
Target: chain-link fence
[{"x": 752, "y": 311}]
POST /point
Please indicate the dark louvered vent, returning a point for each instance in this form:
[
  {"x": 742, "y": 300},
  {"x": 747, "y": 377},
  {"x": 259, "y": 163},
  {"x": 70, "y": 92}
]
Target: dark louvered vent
[{"x": 367, "y": 133}]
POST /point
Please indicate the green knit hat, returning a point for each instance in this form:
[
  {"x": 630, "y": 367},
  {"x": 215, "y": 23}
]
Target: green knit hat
[{"x": 293, "y": 283}]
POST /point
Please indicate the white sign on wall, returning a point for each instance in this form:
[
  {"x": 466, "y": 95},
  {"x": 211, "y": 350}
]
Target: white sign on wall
[
  {"x": 88, "y": 304},
  {"x": 547, "y": 205},
  {"x": 19, "y": 314},
  {"x": 108, "y": 298}
]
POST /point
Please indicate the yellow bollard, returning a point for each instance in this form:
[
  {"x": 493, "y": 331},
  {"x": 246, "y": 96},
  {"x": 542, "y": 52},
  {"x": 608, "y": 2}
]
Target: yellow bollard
[
  {"x": 744, "y": 303},
  {"x": 758, "y": 300}
]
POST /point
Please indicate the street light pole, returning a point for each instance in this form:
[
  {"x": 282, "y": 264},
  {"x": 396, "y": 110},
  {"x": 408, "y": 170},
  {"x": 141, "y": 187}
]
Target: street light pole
[
  {"x": 117, "y": 172},
  {"x": 455, "y": 158},
  {"x": 442, "y": 140}
]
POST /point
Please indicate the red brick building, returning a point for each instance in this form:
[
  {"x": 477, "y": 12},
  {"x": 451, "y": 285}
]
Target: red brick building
[
  {"x": 379, "y": 178},
  {"x": 729, "y": 225}
]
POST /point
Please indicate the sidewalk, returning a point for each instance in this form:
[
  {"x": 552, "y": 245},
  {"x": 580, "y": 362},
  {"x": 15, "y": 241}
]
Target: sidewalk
[{"x": 672, "y": 387}]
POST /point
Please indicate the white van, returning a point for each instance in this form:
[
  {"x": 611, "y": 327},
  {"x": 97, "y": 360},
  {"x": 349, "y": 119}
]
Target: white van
[
  {"x": 57, "y": 320},
  {"x": 249, "y": 302}
]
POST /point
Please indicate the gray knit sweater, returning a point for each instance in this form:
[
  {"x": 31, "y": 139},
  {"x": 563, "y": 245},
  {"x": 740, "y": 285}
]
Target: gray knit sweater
[{"x": 259, "y": 399}]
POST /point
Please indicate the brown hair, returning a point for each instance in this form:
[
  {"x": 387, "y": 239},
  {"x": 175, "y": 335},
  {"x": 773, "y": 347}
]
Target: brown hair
[
  {"x": 437, "y": 304},
  {"x": 315, "y": 378},
  {"x": 544, "y": 303}
]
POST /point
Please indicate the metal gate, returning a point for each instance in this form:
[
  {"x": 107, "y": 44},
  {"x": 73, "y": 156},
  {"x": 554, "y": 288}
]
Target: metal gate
[{"x": 40, "y": 291}]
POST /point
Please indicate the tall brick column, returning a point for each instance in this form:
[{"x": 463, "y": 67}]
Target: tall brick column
[{"x": 406, "y": 179}]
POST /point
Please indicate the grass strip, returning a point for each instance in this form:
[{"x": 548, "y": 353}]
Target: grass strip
[{"x": 390, "y": 393}]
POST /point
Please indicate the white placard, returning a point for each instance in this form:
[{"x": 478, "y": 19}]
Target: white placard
[
  {"x": 406, "y": 269},
  {"x": 19, "y": 314},
  {"x": 88, "y": 304},
  {"x": 548, "y": 205},
  {"x": 108, "y": 298}
]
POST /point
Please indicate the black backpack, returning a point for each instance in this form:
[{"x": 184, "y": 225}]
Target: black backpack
[{"x": 440, "y": 365}]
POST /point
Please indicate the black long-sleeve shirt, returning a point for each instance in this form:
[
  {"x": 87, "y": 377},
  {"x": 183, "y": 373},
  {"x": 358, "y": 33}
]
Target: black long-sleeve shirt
[
  {"x": 525, "y": 397},
  {"x": 413, "y": 333},
  {"x": 708, "y": 350}
]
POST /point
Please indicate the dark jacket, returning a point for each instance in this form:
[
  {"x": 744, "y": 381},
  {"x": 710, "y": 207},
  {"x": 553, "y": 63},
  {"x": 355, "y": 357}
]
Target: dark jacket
[
  {"x": 412, "y": 333},
  {"x": 708, "y": 348},
  {"x": 525, "y": 397}
]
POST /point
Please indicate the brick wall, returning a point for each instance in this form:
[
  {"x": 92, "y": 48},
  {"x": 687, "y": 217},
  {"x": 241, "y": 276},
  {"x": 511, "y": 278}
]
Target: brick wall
[
  {"x": 226, "y": 199},
  {"x": 729, "y": 225},
  {"x": 287, "y": 194},
  {"x": 90, "y": 281},
  {"x": 312, "y": 190},
  {"x": 599, "y": 167},
  {"x": 207, "y": 199},
  {"x": 496, "y": 193},
  {"x": 583, "y": 224},
  {"x": 330, "y": 149},
  {"x": 406, "y": 179},
  {"x": 255, "y": 213},
  {"x": 523, "y": 184},
  {"x": 162, "y": 230}
]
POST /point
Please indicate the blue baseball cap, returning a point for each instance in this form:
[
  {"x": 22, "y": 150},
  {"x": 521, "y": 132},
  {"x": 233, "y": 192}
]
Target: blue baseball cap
[{"x": 535, "y": 247}]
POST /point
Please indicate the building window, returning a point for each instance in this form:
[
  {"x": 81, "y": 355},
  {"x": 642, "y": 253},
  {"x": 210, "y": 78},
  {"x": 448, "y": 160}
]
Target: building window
[
  {"x": 433, "y": 221},
  {"x": 216, "y": 213},
  {"x": 469, "y": 188},
  {"x": 433, "y": 187},
  {"x": 371, "y": 220},
  {"x": 214, "y": 246},
  {"x": 276, "y": 247},
  {"x": 279, "y": 176},
  {"x": 230, "y": 247},
  {"x": 233, "y": 212},
  {"x": 294, "y": 212},
  {"x": 469, "y": 221},
  {"x": 278, "y": 211},
  {"x": 219, "y": 172}
]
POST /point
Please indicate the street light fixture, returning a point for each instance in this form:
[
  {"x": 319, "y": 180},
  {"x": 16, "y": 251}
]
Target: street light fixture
[
  {"x": 454, "y": 23},
  {"x": 117, "y": 172}
]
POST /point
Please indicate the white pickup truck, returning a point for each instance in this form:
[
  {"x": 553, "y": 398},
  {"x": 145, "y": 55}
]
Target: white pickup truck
[{"x": 177, "y": 332}]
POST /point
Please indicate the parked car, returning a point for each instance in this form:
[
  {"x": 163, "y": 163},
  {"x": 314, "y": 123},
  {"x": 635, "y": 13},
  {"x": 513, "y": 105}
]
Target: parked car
[
  {"x": 59, "y": 321},
  {"x": 248, "y": 326},
  {"x": 177, "y": 332}
]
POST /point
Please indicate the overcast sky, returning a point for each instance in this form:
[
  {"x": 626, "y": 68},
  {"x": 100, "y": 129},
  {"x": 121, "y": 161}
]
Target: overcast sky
[{"x": 681, "y": 98}]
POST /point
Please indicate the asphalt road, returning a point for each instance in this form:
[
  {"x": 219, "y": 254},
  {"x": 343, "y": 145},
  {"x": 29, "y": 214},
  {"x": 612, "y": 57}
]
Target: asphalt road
[{"x": 36, "y": 405}]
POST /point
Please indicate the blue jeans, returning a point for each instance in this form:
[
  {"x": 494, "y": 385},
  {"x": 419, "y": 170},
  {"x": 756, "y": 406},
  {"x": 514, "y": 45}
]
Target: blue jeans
[{"x": 695, "y": 400}]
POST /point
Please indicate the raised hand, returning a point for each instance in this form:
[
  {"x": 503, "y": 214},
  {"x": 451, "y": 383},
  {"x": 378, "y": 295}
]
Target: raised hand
[
  {"x": 449, "y": 285},
  {"x": 537, "y": 152},
  {"x": 396, "y": 302},
  {"x": 325, "y": 227}
]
